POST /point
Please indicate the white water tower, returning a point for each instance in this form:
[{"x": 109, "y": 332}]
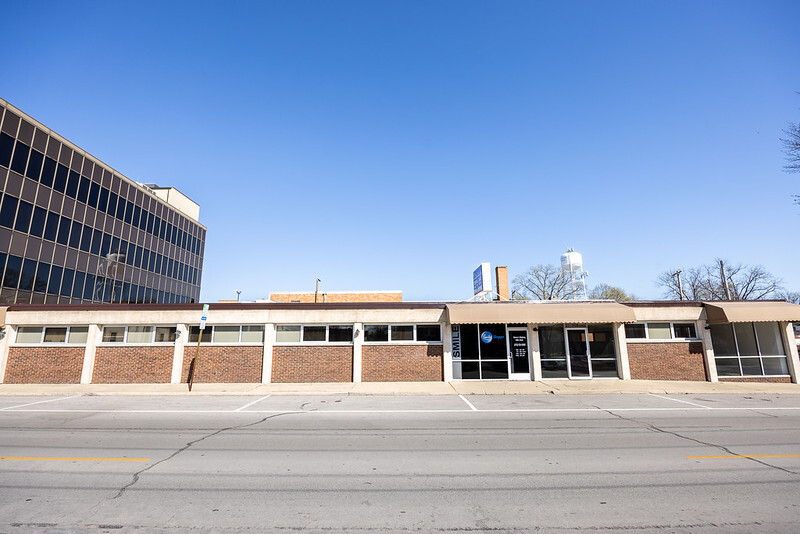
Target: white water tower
[{"x": 572, "y": 264}]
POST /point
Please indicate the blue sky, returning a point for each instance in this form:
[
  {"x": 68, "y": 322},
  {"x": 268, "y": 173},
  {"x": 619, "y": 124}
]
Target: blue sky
[{"x": 396, "y": 145}]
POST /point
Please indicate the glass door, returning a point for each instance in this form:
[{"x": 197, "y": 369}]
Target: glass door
[
  {"x": 578, "y": 353},
  {"x": 519, "y": 354}
]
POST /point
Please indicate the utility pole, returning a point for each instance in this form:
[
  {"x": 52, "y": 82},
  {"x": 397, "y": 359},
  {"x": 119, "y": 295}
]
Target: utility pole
[
  {"x": 680, "y": 284},
  {"x": 724, "y": 280},
  {"x": 316, "y": 290}
]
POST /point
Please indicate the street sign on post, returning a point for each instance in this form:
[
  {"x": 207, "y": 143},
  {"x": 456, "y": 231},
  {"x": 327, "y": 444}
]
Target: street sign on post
[{"x": 193, "y": 365}]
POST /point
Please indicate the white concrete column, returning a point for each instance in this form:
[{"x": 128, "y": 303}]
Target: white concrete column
[
  {"x": 621, "y": 340},
  {"x": 177, "y": 355},
  {"x": 266, "y": 361},
  {"x": 5, "y": 346},
  {"x": 536, "y": 352},
  {"x": 358, "y": 342},
  {"x": 790, "y": 347},
  {"x": 92, "y": 339},
  {"x": 708, "y": 351},
  {"x": 447, "y": 352}
]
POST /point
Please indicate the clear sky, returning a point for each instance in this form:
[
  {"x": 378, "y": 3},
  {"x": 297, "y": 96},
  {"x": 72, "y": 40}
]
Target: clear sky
[{"x": 398, "y": 144}]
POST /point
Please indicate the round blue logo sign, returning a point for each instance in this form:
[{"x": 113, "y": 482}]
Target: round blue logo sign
[{"x": 486, "y": 337}]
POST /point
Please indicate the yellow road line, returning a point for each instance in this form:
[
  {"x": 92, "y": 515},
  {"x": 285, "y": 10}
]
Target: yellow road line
[
  {"x": 41, "y": 458},
  {"x": 746, "y": 456}
]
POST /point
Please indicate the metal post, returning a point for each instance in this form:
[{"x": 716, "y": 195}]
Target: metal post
[
  {"x": 680, "y": 285},
  {"x": 724, "y": 280}
]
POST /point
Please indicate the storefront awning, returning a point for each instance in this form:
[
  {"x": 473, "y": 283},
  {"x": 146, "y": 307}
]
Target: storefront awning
[
  {"x": 540, "y": 312},
  {"x": 751, "y": 311}
]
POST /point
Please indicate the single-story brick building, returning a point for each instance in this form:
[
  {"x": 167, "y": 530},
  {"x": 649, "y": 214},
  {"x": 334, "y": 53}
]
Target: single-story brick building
[{"x": 400, "y": 341}]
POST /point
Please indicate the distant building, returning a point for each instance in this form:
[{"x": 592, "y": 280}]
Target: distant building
[
  {"x": 74, "y": 230},
  {"x": 337, "y": 296}
]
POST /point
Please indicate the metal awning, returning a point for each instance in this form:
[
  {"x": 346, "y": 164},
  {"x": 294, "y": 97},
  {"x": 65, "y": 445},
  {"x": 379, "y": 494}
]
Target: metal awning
[
  {"x": 742, "y": 311},
  {"x": 546, "y": 312}
]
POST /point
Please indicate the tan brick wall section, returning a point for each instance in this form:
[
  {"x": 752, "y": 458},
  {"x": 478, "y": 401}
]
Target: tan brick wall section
[
  {"x": 299, "y": 364},
  {"x": 402, "y": 363},
  {"x": 667, "y": 361},
  {"x": 44, "y": 365},
  {"x": 779, "y": 379},
  {"x": 230, "y": 365},
  {"x": 337, "y": 297},
  {"x": 133, "y": 365}
]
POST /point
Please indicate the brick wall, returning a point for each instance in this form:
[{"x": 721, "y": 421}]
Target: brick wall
[
  {"x": 779, "y": 379},
  {"x": 667, "y": 361},
  {"x": 232, "y": 364},
  {"x": 300, "y": 364},
  {"x": 44, "y": 365},
  {"x": 402, "y": 363},
  {"x": 133, "y": 365}
]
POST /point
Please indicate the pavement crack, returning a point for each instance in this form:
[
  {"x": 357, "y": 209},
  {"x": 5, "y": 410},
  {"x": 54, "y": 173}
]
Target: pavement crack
[
  {"x": 654, "y": 428},
  {"x": 186, "y": 447}
]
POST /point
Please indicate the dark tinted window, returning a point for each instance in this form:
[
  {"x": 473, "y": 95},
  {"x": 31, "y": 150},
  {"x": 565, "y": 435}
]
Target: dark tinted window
[
  {"x": 128, "y": 212},
  {"x": 6, "y": 148},
  {"x": 94, "y": 193},
  {"x": 66, "y": 282},
  {"x": 97, "y": 240},
  {"x": 60, "y": 183},
  {"x": 51, "y": 227},
  {"x": 28, "y": 275},
  {"x": 7, "y": 211},
  {"x": 73, "y": 181},
  {"x": 37, "y": 221},
  {"x": 48, "y": 172},
  {"x": 83, "y": 189},
  {"x": 63, "y": 231},
  {"x": 23, "y": 216},
  {"x": 75, "y": 235},
  {"x": 35, "y": 165},
  {"x": 77, "y": 286},
  {"x": 429, "y": 332},
  {"x": 112, "y": 203},
  {"x": 88, "y": 287},
  {"x": 42, "y": 272},
  {"x": 13, "y": 268},
  {"x": 20, "y": 158},
  {"x": 102, "y": 203}
]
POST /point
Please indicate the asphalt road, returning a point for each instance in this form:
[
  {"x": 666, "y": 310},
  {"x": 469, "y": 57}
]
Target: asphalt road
[{"x": 558, "y": 463}]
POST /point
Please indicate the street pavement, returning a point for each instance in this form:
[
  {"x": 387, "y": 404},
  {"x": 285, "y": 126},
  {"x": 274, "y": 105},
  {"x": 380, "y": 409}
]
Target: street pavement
[{"x": 342, "y": 462}]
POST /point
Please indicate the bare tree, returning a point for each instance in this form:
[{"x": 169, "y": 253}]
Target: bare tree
[
  {"x": 791, "y": 296},
  {"x": 608, "y": 292},
  {"x": 791, "y": 147},
  {"x": 705, "y": 282},
  {"x": 542, "y": 282}
]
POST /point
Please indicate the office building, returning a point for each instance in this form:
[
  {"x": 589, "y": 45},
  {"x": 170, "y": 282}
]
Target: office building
[{"x": 74, "y": 230}]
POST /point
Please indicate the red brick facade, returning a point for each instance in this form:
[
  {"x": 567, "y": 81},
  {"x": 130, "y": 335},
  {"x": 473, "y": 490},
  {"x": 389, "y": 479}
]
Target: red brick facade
[
  {"x": 133, "y": 365},
  {"x": 298, "y": 364},
  {"x": 44, "y": 365},
  {"x": 778, "y": 379},
  {"x": 667, "y": 361},
  {"x": 402, "y": 363},
  {"x": 224, "y": 364}
]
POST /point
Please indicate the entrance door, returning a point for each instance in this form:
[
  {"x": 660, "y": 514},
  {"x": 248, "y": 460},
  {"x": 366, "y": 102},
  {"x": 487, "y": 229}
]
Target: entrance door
[
  {"x": 518, "y": 354},
  {"x": 578, "y": 353}
]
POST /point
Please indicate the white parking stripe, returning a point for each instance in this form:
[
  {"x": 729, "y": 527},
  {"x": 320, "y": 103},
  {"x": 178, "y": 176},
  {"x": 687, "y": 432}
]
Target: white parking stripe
[
  {"x": 37, "y": 402},
  {"x": 252, "y": 403},
  {"x": 468, "y": 403},
  {"x": 678, "y": 400}
]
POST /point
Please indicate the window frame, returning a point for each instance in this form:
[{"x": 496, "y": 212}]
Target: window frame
[
  {"x": 760, "y": 356},
  {"x": 126, "y": 341},
  {"x": 672, "y": 338},
  {"x": 414, "y": 339},
  {"x": 192, "y": 337},
  {"x": 43, "y": 331},
  {"x": 326, "y": 341}
]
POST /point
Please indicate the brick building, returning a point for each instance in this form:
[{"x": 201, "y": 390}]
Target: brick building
[{"x": 400, "y": 341}]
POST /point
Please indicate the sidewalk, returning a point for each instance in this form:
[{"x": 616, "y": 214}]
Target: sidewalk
[{"x": 549, "y": 387}]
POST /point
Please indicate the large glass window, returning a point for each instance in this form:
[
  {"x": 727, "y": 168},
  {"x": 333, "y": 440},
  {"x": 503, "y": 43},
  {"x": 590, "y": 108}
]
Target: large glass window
[
  {"x": 553, "y": 352},
  {"x": 483, "y": 350},
  {"x": 749, "y": 349},
  {"x": 52, "y": 334},
  {"x": 660, "y": 331}
]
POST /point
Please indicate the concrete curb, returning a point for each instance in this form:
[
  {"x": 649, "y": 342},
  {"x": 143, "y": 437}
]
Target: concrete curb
[{"x": 549, "y": 387}]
